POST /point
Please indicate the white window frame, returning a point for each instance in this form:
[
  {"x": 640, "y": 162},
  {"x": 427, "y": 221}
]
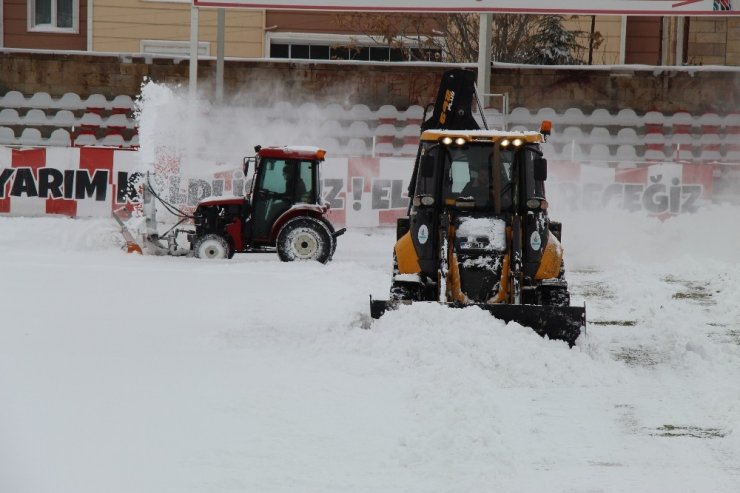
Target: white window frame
[
  {"x": 51, "y": 28},
  {"x": 168, "y": 47}
]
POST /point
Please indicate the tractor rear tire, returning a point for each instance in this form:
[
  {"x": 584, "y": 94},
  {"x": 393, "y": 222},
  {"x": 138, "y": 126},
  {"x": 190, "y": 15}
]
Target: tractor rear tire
[
  {"x": 304, "y": 238},
  {"x": 212, "y": 246}
]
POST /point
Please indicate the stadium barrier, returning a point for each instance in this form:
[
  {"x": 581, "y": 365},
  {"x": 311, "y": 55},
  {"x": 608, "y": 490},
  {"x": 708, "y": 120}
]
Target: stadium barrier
[{"x": 362, "y": 191}]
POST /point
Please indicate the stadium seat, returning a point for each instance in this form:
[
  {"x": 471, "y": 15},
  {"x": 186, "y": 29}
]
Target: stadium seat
[
  {"x": 627, "y": 117},
  {"x": 59, "y": 138},
  {"x": 520, "y": 116},
  {"x": 600, "y": 117},
  {"x": 31, "y": 137},
  {"x": 572, "y": 116},
  {"x": 413, "y": 115},
  {"x": 387, "y": 114},
  {"x": 40, "y": 100},
  {"x": 627, "y": 136},
  {"x": 356, "y": 147},
  {"x": 7, "y": 136},
  {"x": 35, "y": 117},
  {"x": 600, "y": 135},
  {"x": 70, "y": 101},
  {"x": 9, "y": 116},
  {"x": 13, "y": 99}
]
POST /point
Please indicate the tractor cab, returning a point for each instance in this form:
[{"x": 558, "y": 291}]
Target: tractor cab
[
  {"x": 284, "y": 178},
  {"x": 282, "y": 210}
]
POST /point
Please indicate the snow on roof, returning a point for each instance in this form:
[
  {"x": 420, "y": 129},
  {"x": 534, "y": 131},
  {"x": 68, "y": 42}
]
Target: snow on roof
[
  {"x": 484, "y": 133},
  {"x": 492, "y": 135}
]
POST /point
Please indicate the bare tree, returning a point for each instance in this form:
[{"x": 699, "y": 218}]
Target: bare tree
[{"x": 516, "y": 38}]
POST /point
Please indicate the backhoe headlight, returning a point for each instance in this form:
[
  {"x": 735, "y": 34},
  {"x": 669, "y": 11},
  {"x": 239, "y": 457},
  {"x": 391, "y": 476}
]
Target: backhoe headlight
[
  {"x": 537, "y": 203},
  {"x": 423, "y": 200}
]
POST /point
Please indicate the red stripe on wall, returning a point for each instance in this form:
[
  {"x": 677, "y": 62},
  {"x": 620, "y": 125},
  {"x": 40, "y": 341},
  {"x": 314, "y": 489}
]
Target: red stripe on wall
[
  {"x": 362, "y": 167},
  {"x": 61, "y": 206},
  {"x": 389, "y": 217},
  {"x": 633, "y": 175},
  {"x": 701, "y": 174},
  {"x": 29, "y": 158},
  {"x": 96, "y": 158}
]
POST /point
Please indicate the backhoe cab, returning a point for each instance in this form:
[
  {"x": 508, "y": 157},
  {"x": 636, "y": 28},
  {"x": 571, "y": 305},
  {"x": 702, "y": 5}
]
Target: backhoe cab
[{"x": 478, "y": 231}]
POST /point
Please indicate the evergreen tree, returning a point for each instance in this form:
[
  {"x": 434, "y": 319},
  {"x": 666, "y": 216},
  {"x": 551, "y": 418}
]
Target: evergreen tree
[{"x": 552, "y": 44}]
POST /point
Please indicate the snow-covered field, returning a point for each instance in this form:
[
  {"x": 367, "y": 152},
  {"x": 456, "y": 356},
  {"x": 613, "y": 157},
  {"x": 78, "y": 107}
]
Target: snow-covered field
[{"x": 128, "y": 374}]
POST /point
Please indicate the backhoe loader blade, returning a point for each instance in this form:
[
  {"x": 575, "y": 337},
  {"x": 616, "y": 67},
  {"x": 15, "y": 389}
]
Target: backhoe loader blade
[{"x": 556, "y": 322}]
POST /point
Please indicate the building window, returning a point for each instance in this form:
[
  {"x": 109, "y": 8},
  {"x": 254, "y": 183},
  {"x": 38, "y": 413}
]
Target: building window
[
  {"x": 339, "y": 47},
  {"x": 53, "y": 15}
]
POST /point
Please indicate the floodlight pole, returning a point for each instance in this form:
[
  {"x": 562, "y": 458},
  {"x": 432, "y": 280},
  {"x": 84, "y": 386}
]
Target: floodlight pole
[
  {"x": 484, "y": 57},
  {"x": 193, "y": 75}
]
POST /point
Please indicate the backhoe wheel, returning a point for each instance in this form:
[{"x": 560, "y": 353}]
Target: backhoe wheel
[
  {"x": 304, "y": 238},
  {"x": 404, "y": 290},
  {"x": 555, "y": 296},
  {"x": 211, "y": 246}
]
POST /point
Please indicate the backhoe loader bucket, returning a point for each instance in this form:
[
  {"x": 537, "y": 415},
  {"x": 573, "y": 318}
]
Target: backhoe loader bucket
[{"x": 556, "y": 322}]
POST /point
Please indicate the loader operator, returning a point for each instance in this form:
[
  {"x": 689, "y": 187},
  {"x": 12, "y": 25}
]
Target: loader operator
[{"x": 479, "y": 186}]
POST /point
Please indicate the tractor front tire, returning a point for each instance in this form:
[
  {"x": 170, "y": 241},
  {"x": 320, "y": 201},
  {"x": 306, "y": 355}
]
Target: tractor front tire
[
  {"x": 212, "y": 246},
  {"x": 304, "y": 238}
]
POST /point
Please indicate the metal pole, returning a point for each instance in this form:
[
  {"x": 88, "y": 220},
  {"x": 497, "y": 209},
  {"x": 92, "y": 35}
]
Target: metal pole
[
  {"x": 680, "y": 26},
  {"x": 484, "y": 57},
  {"x": 193, "y": 75},
  {"x": 220, "y": 41},
  {"x": 623, "y": 41}
]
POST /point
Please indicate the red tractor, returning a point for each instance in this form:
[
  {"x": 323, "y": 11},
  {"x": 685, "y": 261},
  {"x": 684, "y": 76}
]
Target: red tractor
[{"x": 282, "y": 211}]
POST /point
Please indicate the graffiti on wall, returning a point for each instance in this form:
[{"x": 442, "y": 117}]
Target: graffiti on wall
[{"x": 362, "y": 192}]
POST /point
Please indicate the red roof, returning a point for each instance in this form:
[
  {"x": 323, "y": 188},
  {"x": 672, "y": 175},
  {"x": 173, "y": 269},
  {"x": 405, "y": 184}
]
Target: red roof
[{"x": 293, "y": 152}]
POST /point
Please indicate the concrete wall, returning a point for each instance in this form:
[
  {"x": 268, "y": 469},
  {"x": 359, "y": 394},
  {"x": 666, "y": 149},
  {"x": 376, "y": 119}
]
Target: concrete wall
[{"x": 639, "y": 88}]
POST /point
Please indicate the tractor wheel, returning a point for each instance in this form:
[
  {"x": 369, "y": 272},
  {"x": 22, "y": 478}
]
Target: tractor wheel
[
  {"x": 212, "y": 246},
  {"x": 304, "y": 238}
]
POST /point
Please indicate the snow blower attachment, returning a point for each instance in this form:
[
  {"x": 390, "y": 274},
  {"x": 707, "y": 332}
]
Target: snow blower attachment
[
  {"x": 132, "y": 246},
  {"x": 477, "y": 231}
]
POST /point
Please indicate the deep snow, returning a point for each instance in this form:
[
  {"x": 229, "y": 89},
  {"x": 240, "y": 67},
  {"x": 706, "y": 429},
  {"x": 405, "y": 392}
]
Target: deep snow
[{"x": 123, "y": 373}]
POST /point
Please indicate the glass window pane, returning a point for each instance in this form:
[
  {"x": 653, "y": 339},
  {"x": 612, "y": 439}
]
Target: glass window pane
[
  {"x": 379, "y": 53},
  {"x": 42, "y": 12},
  {"x": 65, "y": 13},
  {"x": 319, "y": 52},
  {"x": 272, "y": 176},
  {"x": 397, "y": 55},
  {"x": 299, "y": 51},
  {"x": 304, "y": 187},
  {"x": 339, "y": 53},
  {"x": 361, "y": 54},
  {"x": 279, "y": 50}
]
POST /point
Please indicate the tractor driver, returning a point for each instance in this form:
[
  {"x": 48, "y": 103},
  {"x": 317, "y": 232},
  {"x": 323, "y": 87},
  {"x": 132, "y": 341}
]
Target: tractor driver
[{"x": 294, "y": 181}]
